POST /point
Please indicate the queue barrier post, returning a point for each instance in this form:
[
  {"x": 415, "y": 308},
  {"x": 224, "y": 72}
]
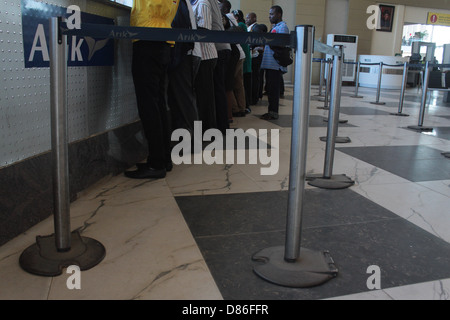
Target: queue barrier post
[
  {"x": 327, "y": 180},
  {"x": 327, "y": 104},
  {"x": 423, "y": 102},
  {"x": 327, "y": 86},
  {"x": 330, "y": 92},
  {"x": 321, "y": 79},
  {"x": 50, "y": 254},
  {"x": 292, "y": 265},
  {"x": 380, "y": 75},
  {"x": 358, "y": 66},
  {"x": 402, "y": 92}
]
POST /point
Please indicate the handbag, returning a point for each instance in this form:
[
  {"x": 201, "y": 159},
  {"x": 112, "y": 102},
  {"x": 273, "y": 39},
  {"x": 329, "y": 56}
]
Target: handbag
[{"x": 283, "y": 55}]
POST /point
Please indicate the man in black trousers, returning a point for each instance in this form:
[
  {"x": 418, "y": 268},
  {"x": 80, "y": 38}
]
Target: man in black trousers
[{"x": 149, "y": 68}]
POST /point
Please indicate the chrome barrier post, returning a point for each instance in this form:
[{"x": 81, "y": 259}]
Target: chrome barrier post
[
  {"x": 50, "y": 254},
  {"x": 327, "y": 180},
  {"x": 327, "y": 86},
  {"x": 292, "y": 265},
  {"x": 357, "y": 82},
  {"x": 321, "y": 77},
  {"x": 380, "y": 75},
  {"x": 423, "y": 102},
  {"x": 402, "y": 92}
]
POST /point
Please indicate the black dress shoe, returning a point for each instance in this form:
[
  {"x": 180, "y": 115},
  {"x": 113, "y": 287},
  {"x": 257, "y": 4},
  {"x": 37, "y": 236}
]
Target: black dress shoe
[
  {"x": 239, "y": 114},
  {"x": 169, "y": 166},
  {"x": 146, "y": 172}
]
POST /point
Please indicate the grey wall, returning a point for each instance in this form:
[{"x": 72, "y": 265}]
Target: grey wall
[
  {"x": 99, "y": 98},
  {"x": 105, "y": 135}
]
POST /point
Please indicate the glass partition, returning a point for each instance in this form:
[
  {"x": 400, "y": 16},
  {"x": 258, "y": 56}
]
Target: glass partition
[{"x": 439, "y": 35}]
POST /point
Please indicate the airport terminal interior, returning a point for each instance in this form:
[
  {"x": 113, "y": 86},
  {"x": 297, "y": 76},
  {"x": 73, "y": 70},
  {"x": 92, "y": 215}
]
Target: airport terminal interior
[{"x": 195, "y": 234}]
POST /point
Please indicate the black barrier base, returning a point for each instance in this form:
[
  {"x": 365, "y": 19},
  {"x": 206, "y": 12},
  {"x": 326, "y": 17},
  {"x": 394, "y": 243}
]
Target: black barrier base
[
  {"x": 340, "y": 121},
  {"x": 379, "y": 103},
  {"x": 335, "y": 182},
  {"x": 324, "y": 108},
  {"x": 337, "y": 139},
  {"x": 43, "y": 258},
  {"x": 399, "y": 114},
  {"x": 358, "y": 97},
  {"x": 311, "y": 269},
  {"x": 420, "y": 128},
  {"x": 446, "y": 154}
]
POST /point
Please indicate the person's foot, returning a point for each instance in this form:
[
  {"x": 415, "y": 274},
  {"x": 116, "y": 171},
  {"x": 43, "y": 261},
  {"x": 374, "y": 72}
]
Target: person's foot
[
  {"x": 270, "y": 116},
  {"x": 142, "y": 165},
  {"x": 145, "y": 172},
  {"x": 239, "y": 114}
]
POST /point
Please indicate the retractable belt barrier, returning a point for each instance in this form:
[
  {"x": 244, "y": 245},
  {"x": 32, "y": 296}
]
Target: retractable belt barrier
[
  {"x": 413, "y": 65},
  {"x": 192, "y": 35},
  {"x": 180, "y": 35},
  {"x": 406, "y": 66},
  {"x": 291, "y": 265}
]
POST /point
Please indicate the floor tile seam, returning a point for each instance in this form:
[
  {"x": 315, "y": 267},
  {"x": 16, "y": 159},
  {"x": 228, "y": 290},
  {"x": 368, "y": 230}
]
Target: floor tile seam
[
  {"x": 396, "y": 218},
  {"x": 431, "y": 189},
  {"x": 389, "y": 294},
  {"x": 211, "y": 192},
  {"x": 414, "y": 284},
  {"x": 418, "y": 184},
  {"x": 407, "y": 217},
  {"x": 407, "y": 157}
]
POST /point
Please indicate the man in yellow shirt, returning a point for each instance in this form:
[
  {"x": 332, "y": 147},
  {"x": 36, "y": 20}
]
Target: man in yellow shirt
[{"x": 149, "y": 68}]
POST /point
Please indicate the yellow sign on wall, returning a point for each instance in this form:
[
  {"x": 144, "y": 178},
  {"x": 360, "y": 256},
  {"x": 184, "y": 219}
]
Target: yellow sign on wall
[{"x": 441, "y": 19}]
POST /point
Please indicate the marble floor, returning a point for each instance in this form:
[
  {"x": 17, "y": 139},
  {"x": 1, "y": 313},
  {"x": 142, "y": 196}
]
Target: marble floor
[{"x": 191, "y": 236}]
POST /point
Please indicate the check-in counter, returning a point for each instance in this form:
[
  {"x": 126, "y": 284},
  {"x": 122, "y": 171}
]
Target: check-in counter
[{"x": 392, "y": 76}]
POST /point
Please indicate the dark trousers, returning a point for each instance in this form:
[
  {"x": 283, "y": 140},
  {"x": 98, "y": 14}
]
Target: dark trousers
[
  {"x": 220, "y": 92},
  {"x": 248, "y": 88},
  {"x": 181, "y": 95},
  {"x": 206, "y": 100},
  {"x": 257, "y": 82},
  {"x": 149, "y": 69},
  {"x": 262, "y": 83},
  {"x": 273, "y": 86}
]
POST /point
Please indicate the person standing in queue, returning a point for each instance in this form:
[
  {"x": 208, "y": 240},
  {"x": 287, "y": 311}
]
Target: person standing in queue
[
  {"x": 204, "y": 82},
  {"x": 150, "y": 62},
  {"x": 274, "y": 71},
  {"x": 251, "y": 21}
]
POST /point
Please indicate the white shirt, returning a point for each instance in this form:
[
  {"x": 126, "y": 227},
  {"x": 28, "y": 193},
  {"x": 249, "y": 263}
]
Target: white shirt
[
  {"x": 249, "y": 28},
  {"x": 197, "y": 51},
  {"x": 203, "y": 15}
]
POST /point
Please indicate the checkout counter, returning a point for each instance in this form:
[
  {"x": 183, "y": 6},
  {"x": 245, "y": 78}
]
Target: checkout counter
[{"x": 392, "y": 76}]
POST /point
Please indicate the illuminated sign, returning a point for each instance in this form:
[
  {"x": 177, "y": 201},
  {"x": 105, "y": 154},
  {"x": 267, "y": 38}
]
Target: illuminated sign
[{"x": 440, "y": 19}]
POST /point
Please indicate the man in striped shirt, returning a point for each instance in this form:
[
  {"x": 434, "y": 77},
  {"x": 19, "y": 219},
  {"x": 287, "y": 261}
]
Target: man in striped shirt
[
  {"x": 204, "y": 82},
  {"x": 274, "y": 72}
]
